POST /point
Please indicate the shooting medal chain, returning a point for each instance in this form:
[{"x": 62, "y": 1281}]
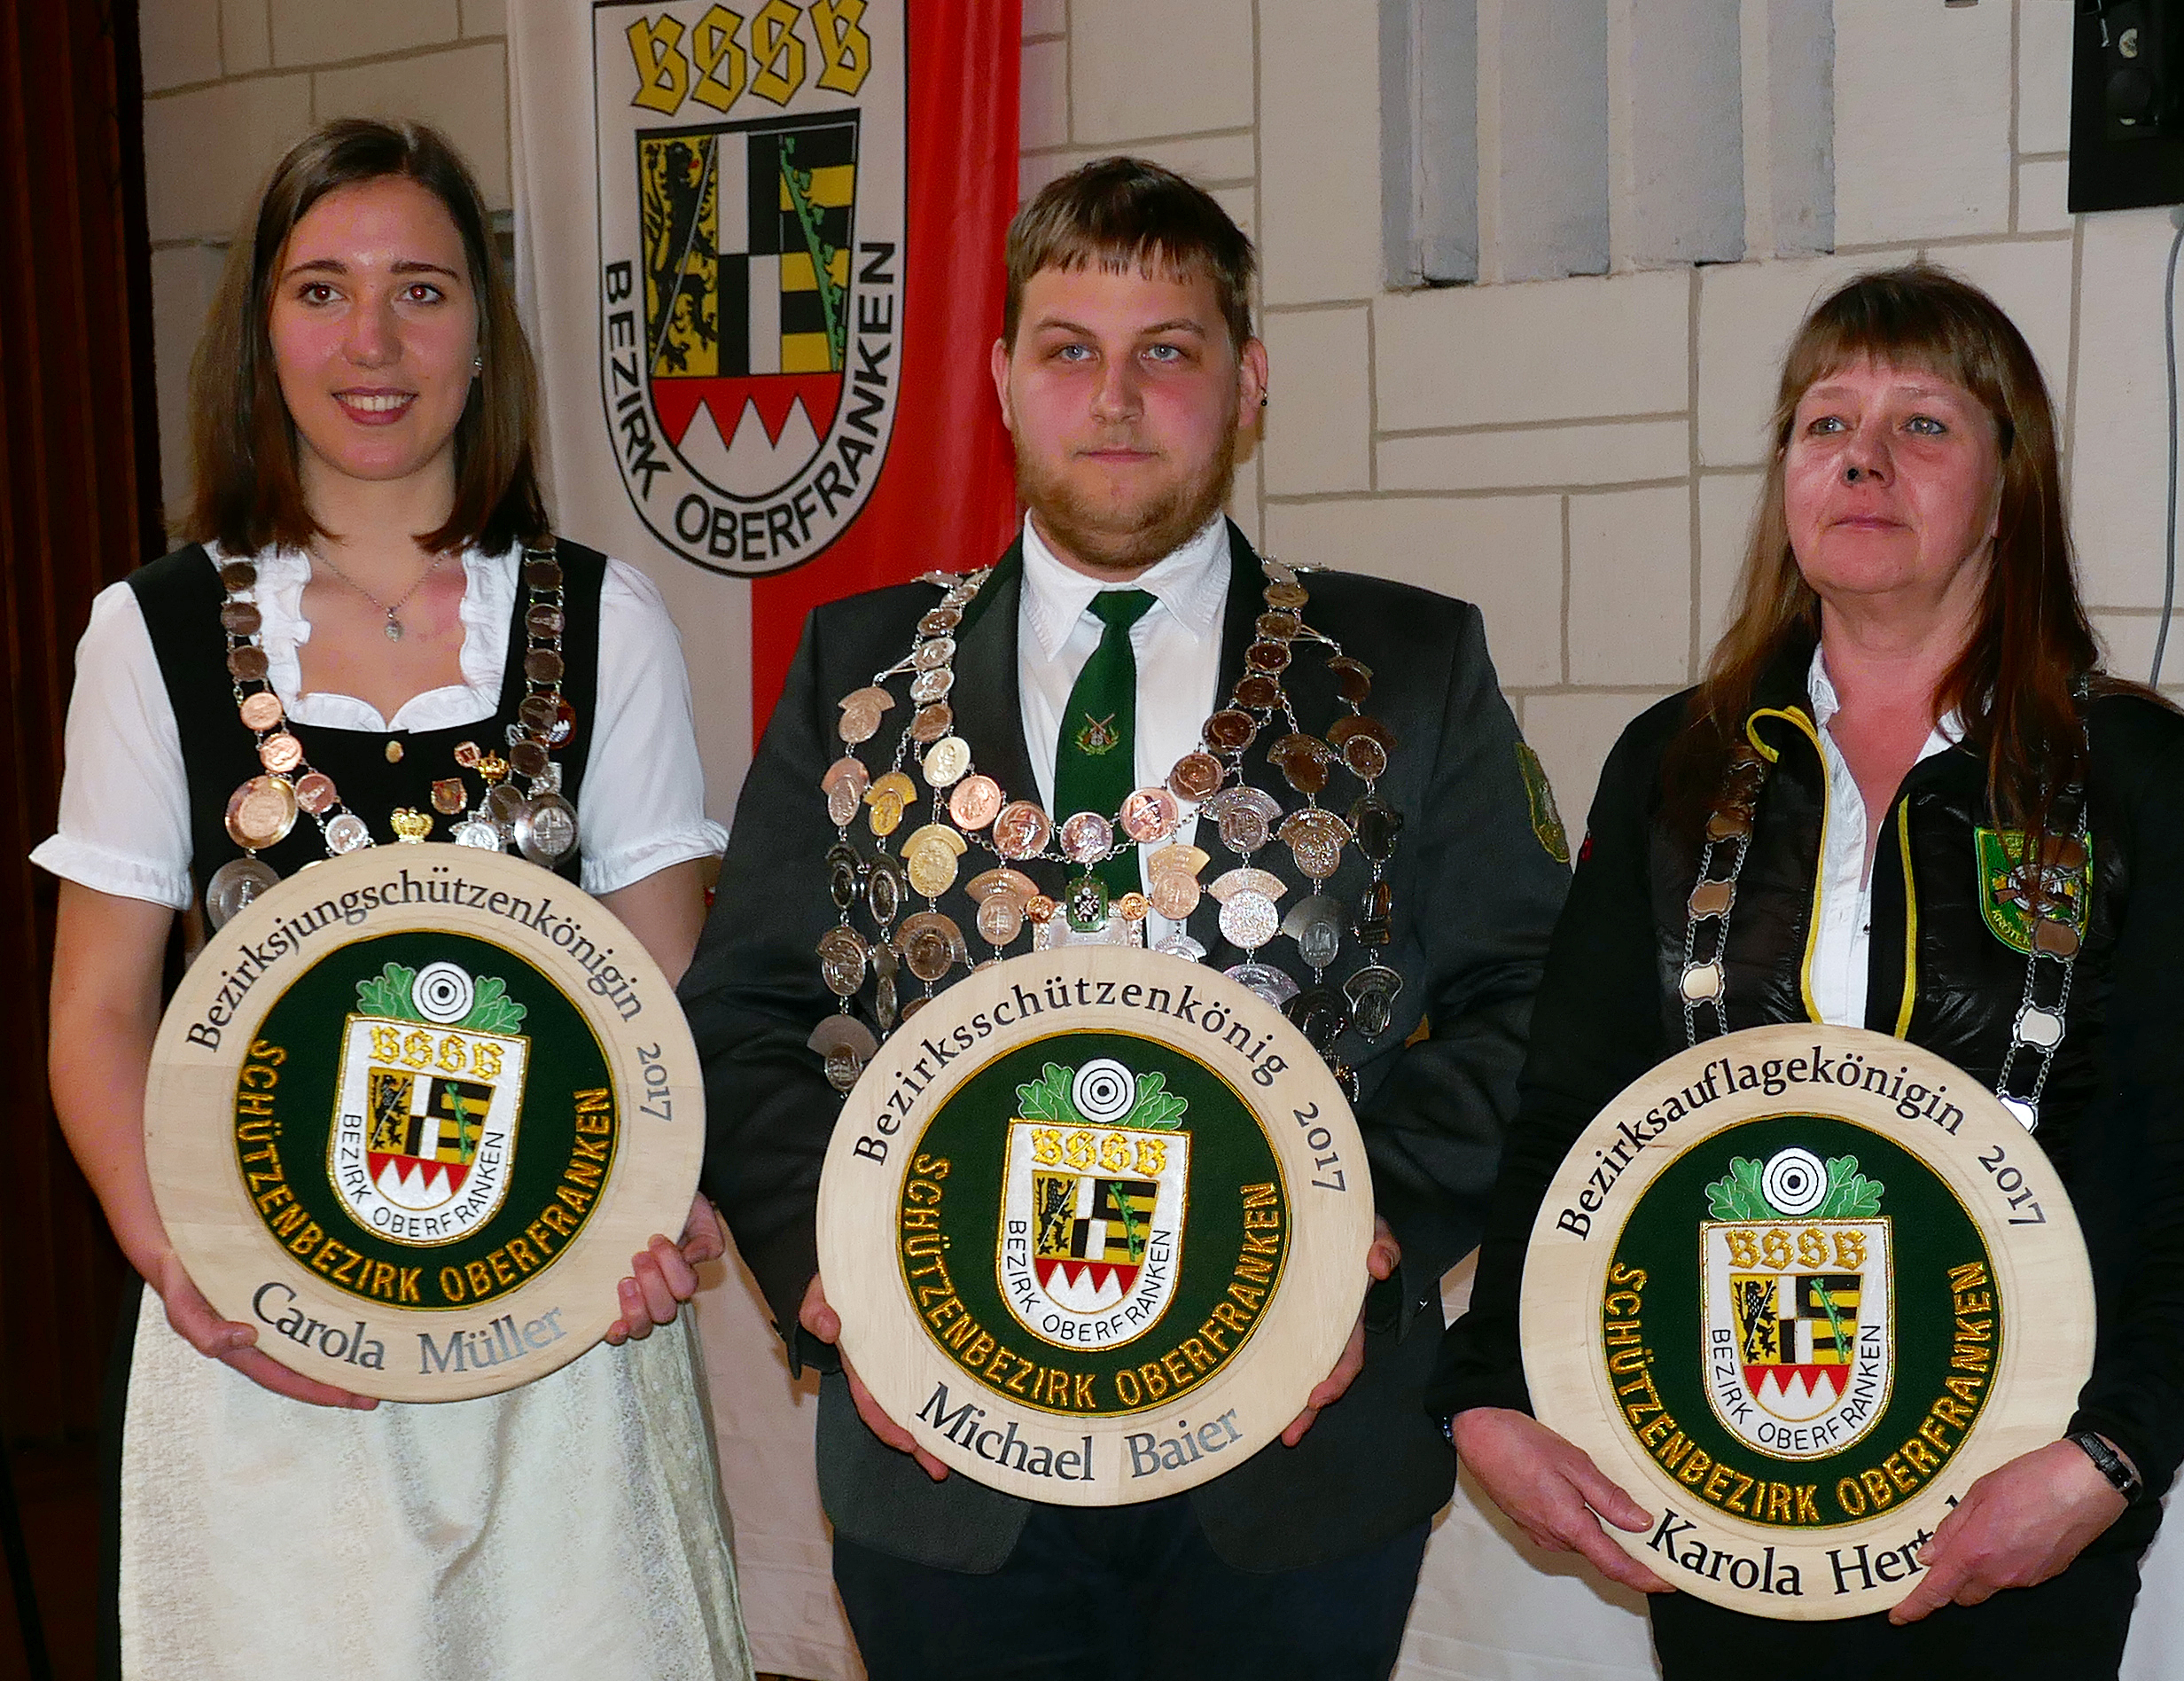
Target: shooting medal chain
[
  {"x": 534, "y": 818},
  {"x": 969, "y": 806},
  {"x": 2036, "y": 1030}
]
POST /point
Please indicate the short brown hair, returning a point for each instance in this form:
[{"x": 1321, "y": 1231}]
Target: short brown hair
[
  {"x": 1125, "y": 212},
  {"x": 2031, "y": 644},
  {"x": 249, "y": 496}
]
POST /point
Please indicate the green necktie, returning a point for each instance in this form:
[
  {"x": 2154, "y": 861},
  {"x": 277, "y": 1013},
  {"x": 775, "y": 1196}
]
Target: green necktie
[{"x": 1095, "y": 761}]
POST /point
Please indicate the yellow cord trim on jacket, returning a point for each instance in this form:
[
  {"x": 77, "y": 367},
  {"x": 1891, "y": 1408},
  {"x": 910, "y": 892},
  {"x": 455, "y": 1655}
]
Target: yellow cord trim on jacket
[
  {"x": 1910, "y": 923},
  {"x": 1812, "y": 936}
]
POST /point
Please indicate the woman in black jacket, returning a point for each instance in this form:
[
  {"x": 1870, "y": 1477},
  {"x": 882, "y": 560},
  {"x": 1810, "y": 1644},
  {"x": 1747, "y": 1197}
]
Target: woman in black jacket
[{"x": 1910, "y": 653}]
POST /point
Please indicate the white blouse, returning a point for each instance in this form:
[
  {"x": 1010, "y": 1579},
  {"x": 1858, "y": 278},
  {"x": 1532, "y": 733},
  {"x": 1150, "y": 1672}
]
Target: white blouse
[
  {"x": 1842, "y": 950},
  {"x": 124, "y": 799}
]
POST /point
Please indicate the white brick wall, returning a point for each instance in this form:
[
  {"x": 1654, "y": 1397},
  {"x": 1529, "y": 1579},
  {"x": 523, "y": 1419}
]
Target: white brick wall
[
  {"x": 230, "y": 85},
  {"x": 1579, "y": 456}
]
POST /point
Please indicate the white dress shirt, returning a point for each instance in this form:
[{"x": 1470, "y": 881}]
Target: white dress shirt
[
  {"x": 124, "y": 825},
  {"x": 1177, "y": 644},
  {"x": 1842, "y": 943}
]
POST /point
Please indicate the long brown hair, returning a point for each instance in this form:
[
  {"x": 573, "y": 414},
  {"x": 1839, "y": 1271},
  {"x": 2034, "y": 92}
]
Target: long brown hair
[
  {"x": 2032, "y": 646},
  {"x": 248, "y": 494}
]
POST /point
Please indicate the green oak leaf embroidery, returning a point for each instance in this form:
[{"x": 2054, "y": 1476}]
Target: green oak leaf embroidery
[
  {"x": 387, "y": 994},
  {"x": 1851, "y": 1195},
  {"x": 1047, "y": 1097},
  {"x": 1156, "y": 1110},
  {"x": 1737, "y": 1196},
  {"x": 492, "y": 1010}
]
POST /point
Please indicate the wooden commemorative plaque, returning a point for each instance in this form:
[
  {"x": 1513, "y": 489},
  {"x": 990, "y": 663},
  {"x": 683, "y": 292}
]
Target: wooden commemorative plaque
[
  {"x": 1795, "y": 1290},
  {"x": 1094, "y": 1220},
  {"x": 412, "y": 1113}
]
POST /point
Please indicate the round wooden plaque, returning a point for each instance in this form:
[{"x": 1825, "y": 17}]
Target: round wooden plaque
[
  {"x": 1094, "y": 1220},
  {"x": 412, "y": 1113},
  {"x": 1796, "y": 1290}
]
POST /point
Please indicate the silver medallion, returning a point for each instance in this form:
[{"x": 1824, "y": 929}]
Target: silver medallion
[
  {"x": 347, "y": 833},
  {"x": 234, "y": 885},
  {"x": 1315, "y": 925},
  {"x": 546, "y": 832},
  {"x": 1180, "y": 944},
  {"x": 1270, "y": 984},
  {"x": 476, "y": 831},
  {"x": 1249, "y": 919}
]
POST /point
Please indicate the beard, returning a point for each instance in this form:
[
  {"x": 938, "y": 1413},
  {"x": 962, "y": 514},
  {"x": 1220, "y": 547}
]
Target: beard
[{"x": 1126, "y": 534}]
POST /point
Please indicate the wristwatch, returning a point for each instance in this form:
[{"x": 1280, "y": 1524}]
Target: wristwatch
[{"x": 2110, "y": 1464}]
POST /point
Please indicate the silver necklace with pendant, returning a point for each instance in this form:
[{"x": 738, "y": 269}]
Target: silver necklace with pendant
[{"x": 394, "y": 624}]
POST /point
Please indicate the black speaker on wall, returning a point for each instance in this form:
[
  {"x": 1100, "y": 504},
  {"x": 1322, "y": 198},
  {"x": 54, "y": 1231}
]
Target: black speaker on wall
[{"x": 2127, "y": 104}]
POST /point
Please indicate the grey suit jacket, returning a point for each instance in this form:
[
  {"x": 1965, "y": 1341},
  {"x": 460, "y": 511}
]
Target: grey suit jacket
[{"x": 1476, "y": 895}]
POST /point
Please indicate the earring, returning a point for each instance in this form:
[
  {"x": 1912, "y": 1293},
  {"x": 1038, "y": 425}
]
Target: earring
[{"x": 478, "y": 365}]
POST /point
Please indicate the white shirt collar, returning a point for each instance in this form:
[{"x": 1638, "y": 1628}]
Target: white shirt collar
[
  {"x": 1192, "y": 583},
  {"x": 1946, "y": 734}
]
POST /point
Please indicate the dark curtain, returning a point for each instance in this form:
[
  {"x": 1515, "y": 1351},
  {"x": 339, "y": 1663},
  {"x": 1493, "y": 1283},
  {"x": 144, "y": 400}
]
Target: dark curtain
[{"x": 79, "y": 507}]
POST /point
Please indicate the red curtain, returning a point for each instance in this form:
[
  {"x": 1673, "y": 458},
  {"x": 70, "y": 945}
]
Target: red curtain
[
  {"x": 946, "y": 497},
  {"x": 79, "y": 507}
]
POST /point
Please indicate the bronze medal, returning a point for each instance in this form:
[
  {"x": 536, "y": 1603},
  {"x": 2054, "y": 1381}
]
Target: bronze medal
[
  {"x": 246, "y": 665},
  {"x": 261, "y": 711},
  {"x": 1354, "y": 680},
  {"x": 974, "y": 802},
  {"x": 1150, "y": 815},
  {"x": 940, "y": 622},
  {"x": 1133, "y": 907},
  {"x": 846, "y": 1044},
  {"x": 1022, "y": 830},
  {"x": 1229, "y": 730},
  {"x": 239, "y": 618},
  {"x": 931, "y": 723},
  {"x": 545, "y": 619},
  {"x": 316, "y": 794},
  {"x": 237, "y": 575},
  {"x": 1259, "y": 691},
  {"x": 860, "y": 713},
  {"x": 529, "y": 759},
  {"x": 1288, "y": 596},
  {"x": 280, "y": 754},
  {"x": 1003, "y": 882},
  {"x": 1195, "y": 777},
  {"x": 261, "y": 813},
  {"x": 449, "y": 796},
  {"x": 542, "y": 665},
  {"x": 1175, "y": 893}
]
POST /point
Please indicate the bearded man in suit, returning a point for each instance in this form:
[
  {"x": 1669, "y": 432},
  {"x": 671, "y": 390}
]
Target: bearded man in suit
[{"x": 1129, "y": 377}]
